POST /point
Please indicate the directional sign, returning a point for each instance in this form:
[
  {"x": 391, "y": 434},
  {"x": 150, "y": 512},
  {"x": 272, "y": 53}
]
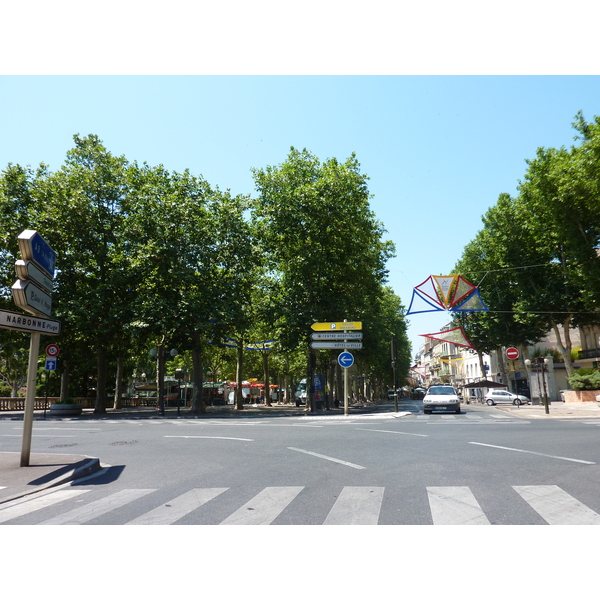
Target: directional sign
[
  {"x": 52, "y": 350},
  {"x": 27, "y": 323},
  {"x": 346, "y": 360},
  {"x": 339, "y": 325},
  {"x": 336, "y": 345},
  {"x": 50, "y": 364},
  {"x": 28, "y": 296},
  {"x": 27, "y": 270},
  {"x": 34, "y": 247},
  {"x": 512, "y": 353},
  {"x": 337, "y": 335}
]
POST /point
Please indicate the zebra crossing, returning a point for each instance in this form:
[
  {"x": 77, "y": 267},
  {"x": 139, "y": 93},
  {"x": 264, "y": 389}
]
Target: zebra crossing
[{"x": 354, "y": 505}]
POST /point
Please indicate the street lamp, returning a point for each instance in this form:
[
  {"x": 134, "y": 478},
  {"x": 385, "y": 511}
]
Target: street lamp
[{"x": 543, "y": 363}]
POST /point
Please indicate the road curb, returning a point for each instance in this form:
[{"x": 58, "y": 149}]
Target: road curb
[{"x": 90, "y": 467}]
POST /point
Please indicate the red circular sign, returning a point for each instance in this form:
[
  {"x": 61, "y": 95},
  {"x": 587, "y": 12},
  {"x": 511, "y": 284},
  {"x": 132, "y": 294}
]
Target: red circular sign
[
  {"x": 512, "y": 353},
  {"x": 52, "y": 350}
]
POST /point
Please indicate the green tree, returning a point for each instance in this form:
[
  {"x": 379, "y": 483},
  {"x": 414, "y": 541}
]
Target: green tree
[{"x": 324, "y": 244}]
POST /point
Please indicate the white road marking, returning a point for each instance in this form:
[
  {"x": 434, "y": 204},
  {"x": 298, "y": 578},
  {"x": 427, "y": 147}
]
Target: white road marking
[
  {"x": 208, "y": 437},
  {"x": 31, "y": 505},
  {"x": 577, "y": 460},
  {"x": 398, "y": 432},
  {"x": 265, "y": 507},
  {"x": 86, "y": 513},
  {"x": 175, "y": 509},
  {"x": 336, "y": 460},
  {"x": 455, "y": 505},
  {"x": 356, "y": 506},
  {"x": 557, "y": 507}
]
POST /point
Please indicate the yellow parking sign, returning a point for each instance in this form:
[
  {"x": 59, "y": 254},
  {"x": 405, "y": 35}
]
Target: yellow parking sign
[{"x": 344, "y": 325}]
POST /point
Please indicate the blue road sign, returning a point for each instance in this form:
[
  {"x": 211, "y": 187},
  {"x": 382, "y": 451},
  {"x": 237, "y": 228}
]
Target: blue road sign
[
  {"x": 35, "y": 248},
  {"x": 50, "y": 365},
  {"x": 346, "y": 360}
]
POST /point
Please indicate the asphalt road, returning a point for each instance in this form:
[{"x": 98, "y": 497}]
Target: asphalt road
[{"x": 483, "y": 466}]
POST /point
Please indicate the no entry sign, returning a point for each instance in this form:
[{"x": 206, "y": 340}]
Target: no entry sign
[{"x": 512, "y": 353}]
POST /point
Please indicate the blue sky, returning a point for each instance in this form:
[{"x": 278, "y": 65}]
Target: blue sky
[{"x": 438, "y": 149}]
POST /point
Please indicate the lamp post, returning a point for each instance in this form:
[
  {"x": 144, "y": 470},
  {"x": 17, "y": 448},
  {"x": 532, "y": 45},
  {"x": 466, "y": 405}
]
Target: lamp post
[
  {"x": 543, "y": 363},
  {"x": 160, "y": 354}
]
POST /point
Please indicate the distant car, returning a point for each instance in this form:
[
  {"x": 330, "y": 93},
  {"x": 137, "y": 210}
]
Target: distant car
[
  {"x": 504, "y": 397},
  {"x": 443, "y": 397}
]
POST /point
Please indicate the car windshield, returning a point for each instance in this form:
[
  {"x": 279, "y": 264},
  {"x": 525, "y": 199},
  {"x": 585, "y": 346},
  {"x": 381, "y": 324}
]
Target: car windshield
[{"x": 441, "y": 391}]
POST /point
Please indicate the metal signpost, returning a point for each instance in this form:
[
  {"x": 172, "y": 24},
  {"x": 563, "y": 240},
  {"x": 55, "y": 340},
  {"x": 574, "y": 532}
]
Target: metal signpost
[
  {"x": 324, "y": 339},
  {"x": 31, "y": 292},
  {"x": 345, "y": 360},
  {"x": 345, "y": 325}
]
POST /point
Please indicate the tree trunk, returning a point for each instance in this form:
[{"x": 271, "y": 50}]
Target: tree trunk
[
  {"x": 118, "y": 383},
  {"x": 266, "y": 377},
  {"x": 100, "y": 407},
  {"x": 64, "y": 381},
  {"x": 481, "y": 365},
  {"x": 198, "y": 405},
  {"x": 566, "y": 347},
  {"x": 239, "y": 398}
]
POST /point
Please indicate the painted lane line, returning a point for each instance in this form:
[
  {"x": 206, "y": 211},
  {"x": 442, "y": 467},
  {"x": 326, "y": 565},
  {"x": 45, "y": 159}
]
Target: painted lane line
[
  {"x": 356, "y": 506},
  {"x": 398, "y": 432},
  {"x": 557, "y": 507},
  {"x": 39, "y": 435},
  {"x": 61, "y": 428},
  {"x": 175, "y": 509},
  {"x": 265, "y": 507},
  {"x": 86, "y": 513},
  {"x": 455, "y": 505},
  {"x": 31, "y": 505},
  {"x": 208, "y": 437},
  {"x": 336, "y": 460},
  {"x": 577, "y": 460}
]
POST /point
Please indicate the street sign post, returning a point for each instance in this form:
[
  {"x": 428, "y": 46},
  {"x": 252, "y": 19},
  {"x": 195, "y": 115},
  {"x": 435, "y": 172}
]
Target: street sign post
[
  {"x": 337, "y": 335},
  {"x": 336, "y": 345},
  {"x": 28, "y": 296},
  {"x": 52, "y": 350},
  {"x": 28, "y": 323},
  {"x": 345, "y": 360},
  {"x": 343, "y": 325},
  {"x": 26, "y": 269},
  {"x": 512, "y": 353},
  {"x": 35, "y": 272},
  {"x": 35, "y": 248}
]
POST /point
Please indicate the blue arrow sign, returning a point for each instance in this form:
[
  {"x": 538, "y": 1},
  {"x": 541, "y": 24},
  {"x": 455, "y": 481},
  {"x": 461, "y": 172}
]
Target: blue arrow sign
[
  {"x": 35, "y": 248},
  {"x": 346, "y": 360},
  {"x": 50, "y": 365}
]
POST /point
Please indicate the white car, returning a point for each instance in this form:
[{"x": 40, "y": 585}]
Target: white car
[
  {"x": 443, "y": 397},
  {"x": 504, "y": 397}
]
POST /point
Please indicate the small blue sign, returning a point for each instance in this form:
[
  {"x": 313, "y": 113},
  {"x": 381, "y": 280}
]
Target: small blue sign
[
  {"x": 34, "y": 247},
  {"x": 50, "y": 365},
  {"x": 346, "y": 360},
  {"x": 43, "y": 255}
]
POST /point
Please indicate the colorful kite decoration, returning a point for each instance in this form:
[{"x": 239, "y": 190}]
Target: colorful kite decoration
[
  {"x": 452, "y": 336},
  {"x": 446, "y": 292}
]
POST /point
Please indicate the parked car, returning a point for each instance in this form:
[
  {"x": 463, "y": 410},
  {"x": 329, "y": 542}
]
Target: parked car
[
  {"x": 504, "y": 397},
  {"x": 443, "y": 397}
]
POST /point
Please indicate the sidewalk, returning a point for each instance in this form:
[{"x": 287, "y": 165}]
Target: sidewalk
[
  {"x": 227, "y": 411},
  {"x": 44, "y": 471},
  {"x": 557, "y": 410}
]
